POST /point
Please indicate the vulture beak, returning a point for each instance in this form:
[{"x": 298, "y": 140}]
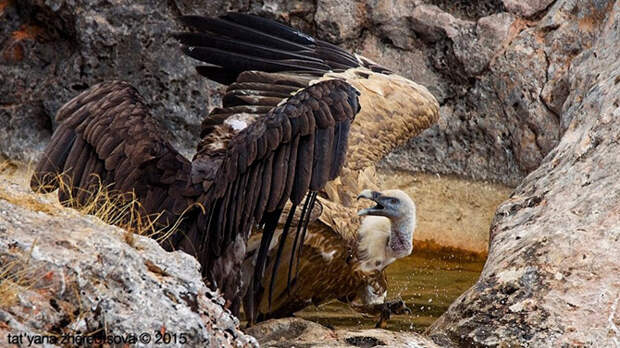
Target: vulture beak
[{"x": 379, "y": 209}]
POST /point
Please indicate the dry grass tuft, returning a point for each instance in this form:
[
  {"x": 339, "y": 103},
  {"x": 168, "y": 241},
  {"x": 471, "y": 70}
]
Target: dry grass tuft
[
  {"x": 13, "y": 280},
  {"x": 110, "y": 206},
  {"x": 16, "y": 276}
]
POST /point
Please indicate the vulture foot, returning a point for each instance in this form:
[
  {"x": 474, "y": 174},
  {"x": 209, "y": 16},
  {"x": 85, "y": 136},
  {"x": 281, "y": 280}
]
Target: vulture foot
[{"x": 389, "y": 308}]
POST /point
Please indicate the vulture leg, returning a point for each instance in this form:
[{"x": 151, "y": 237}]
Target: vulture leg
[
  {"x": 388, "y": 308},
  {"x": 383, "y": 310}
]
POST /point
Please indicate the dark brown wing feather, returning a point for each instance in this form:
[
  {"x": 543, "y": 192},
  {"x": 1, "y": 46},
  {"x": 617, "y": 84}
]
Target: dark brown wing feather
[
  {"x": 261, "y": 60},
  {"x": 107, "y": 139}
]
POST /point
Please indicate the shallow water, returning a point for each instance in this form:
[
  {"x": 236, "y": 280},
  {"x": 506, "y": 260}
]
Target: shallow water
[{"x": 428, "y": 282}]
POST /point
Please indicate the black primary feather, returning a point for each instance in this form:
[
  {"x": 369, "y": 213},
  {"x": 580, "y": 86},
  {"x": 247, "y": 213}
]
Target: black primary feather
[
  {"x": 271, "y": 222},
  {"x": 236, "y": 46},
  {"x": 219, "y": 74},
  {"x": 240, "y": 32},
  {"x": 304, "y": 229},
  {"x": 304, "y": 210},
  {"x": 283, "y": 236},
  {"x": 239, "y": 61},
  {"x": 340, "y": 155},
  {"x": 270, "y": 27}
]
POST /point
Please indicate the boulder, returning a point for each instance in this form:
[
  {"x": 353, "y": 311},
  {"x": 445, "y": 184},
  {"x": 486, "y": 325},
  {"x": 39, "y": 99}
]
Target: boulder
[
  {"x": 392, "y": 19},
  {"x": 552, "y": 277},
  {"x": 433, "y": 24},
  {"x": 340, "y": 20},
  {"x": 71, "y": 276},
  {"x": 295, "y": 332},
  {"x": 526, "y": 8}
]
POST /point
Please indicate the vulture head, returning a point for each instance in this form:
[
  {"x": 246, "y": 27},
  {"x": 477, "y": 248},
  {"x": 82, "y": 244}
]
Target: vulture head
[
  {"x": 393, "y": 217},
  {"x": 393, "y": 204}
]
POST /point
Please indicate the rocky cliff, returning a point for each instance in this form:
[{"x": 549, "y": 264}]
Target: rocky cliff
[
  {"x": 552, "y": 277},
  {"x": 529, "y": 98}
]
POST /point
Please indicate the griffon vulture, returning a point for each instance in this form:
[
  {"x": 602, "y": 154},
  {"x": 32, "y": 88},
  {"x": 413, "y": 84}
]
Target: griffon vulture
[
  {"x": 347, "y": 265},
  {"x": 282, "y": 132},
  {"x": 393, "y": 109}
]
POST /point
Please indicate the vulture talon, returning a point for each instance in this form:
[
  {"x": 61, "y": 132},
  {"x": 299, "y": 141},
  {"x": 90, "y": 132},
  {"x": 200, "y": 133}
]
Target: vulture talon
[{"x": 399, "y": 307}]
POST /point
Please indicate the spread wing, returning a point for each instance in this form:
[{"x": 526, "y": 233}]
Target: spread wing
[
  {"x": 238, "y": 42},
  {"x": 108, "y": 141},
  {"x": 240, "y": 175},
  {"x": 279, "y": 134},
  {"x": 263, "y": 61}
]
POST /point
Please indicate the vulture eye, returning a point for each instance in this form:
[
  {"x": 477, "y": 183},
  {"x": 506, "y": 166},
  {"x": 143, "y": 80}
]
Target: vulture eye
[{"x": 394, "y": 201}]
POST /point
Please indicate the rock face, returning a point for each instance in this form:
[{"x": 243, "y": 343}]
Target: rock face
[
  {"x": 62, "y": 273},
  {"x": 502, "y": 81},
  {"x": 499, "y": 69},
  {"x": 294, "y": 332},
  {"x": 50, "y": 51},
  {"x": 553, "y": 273}
]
